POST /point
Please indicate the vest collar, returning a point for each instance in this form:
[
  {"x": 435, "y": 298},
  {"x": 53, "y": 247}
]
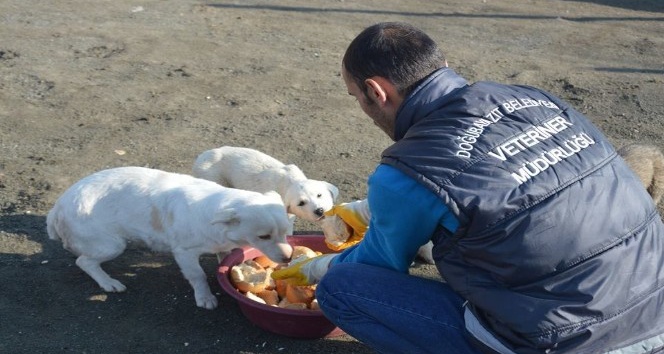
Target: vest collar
[{"x": 428, "y": 96}]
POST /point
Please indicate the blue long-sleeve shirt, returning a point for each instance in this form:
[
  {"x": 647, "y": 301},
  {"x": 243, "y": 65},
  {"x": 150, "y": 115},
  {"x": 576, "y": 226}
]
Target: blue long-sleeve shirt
[{"x": 404, "y": 214}]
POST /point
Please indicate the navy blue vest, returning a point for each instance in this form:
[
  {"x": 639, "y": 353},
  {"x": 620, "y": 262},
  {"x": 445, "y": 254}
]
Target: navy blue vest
[{"x": 560, "y": 248}]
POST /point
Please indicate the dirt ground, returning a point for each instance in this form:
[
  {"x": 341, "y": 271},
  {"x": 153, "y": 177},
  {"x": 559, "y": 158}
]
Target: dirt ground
[{"x": 88, "y": 85}]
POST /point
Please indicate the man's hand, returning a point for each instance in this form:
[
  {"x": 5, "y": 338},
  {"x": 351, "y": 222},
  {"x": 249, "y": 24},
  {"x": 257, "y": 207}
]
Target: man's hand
[
  {"x": 345, "y": 224},
  {"x": 309, "y": 271}
]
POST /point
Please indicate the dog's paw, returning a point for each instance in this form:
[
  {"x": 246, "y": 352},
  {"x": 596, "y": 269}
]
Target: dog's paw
[
  {"x": 207, "y": 301},
  {"x": 113, "y": 286}
]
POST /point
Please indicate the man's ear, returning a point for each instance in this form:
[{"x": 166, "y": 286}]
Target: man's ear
[{"x": 380, "y": 90}]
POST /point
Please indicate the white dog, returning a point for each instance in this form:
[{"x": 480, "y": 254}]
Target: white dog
[
  {"x": 249, "y": 169},
  {"x": 97, "y": 216}
]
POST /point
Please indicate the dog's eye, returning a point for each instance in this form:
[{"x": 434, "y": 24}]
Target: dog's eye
[
  {"x": 319, "y": 195},
  {"x": 264, "y": 237},
  {"x": 302, "y": 203}
]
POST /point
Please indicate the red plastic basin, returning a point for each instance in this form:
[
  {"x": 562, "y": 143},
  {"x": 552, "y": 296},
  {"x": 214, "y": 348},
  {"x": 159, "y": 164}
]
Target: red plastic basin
[{"x": 288, "y": 322}]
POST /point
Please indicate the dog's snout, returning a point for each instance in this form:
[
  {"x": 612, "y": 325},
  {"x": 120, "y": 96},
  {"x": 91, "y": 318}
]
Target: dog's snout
[
  {"x": 319, "y": 211},
  {"x": 287, "y": 256}
]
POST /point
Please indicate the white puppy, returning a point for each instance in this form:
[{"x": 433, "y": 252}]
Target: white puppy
[
  {"x": 97, "y": 216},
  {"x": 249, "y": 169}
]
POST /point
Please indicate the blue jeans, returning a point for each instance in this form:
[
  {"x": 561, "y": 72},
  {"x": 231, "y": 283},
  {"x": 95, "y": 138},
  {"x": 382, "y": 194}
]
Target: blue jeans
[{"x": 394, "y": 312}]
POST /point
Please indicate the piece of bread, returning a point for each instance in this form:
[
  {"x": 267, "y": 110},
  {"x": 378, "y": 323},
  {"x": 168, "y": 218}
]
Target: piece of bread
[
  {"x": 249, "y": 276},
  {"x": 255, "y": 297},
  {"x": 300, "y": 294},
  {"x": 280, "y": 287},
  {"x": 303, "y": 251},
  {"x": 284, "y": 303},
  {"x": 270, "y": 297},
  {"x": 265, "y": 262}
]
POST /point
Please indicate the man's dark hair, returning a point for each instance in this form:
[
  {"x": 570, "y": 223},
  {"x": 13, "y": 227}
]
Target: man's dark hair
[{"x": 396, "y": 51}]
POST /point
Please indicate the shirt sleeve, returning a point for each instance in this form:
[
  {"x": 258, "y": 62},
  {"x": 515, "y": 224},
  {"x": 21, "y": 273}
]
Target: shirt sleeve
[{"x": 404, "y": 215}]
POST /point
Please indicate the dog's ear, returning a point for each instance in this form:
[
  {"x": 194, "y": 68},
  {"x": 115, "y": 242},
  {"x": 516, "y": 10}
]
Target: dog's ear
[
  {"x": 226, "y": 216},
  {"x": 333, "y": 190},
  {"x": 291, "y": 198},
  {"x": 288, "y": 208},
  {"x": 294, "y": 172}
]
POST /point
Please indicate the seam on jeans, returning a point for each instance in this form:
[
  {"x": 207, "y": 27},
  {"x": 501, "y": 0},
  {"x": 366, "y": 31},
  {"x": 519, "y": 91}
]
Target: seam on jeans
[{"x": 346, "y": 294}]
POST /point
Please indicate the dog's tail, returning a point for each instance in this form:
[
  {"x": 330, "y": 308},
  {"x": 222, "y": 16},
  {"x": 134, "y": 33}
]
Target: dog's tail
[
  {"x": 205, "y": 165},
  {"x": 51, "y": 220}
]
